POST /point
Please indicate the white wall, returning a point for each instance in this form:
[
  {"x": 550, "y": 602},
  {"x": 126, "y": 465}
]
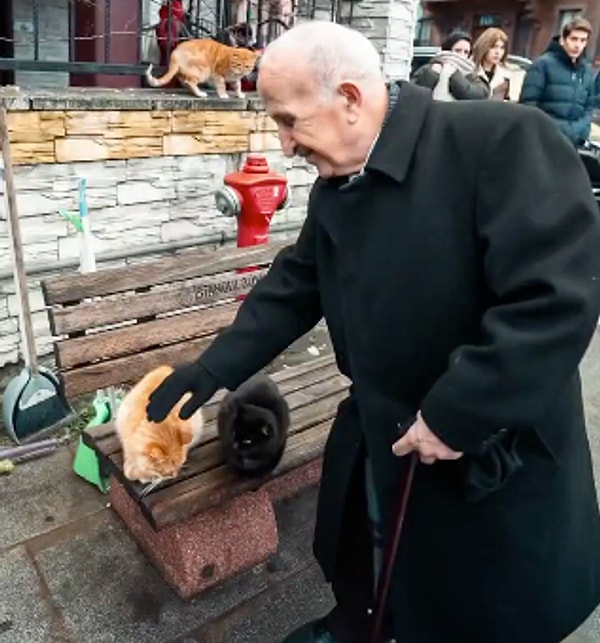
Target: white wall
[{"x": 133, "y": 204}]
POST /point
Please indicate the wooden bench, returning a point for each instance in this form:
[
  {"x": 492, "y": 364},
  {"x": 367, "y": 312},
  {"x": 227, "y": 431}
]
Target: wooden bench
[{"x": 112, "y": 326}]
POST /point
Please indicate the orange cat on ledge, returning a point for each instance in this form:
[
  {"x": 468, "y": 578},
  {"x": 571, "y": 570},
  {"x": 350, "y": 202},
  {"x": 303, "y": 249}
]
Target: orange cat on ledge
[{"x": 198, "y": 61}]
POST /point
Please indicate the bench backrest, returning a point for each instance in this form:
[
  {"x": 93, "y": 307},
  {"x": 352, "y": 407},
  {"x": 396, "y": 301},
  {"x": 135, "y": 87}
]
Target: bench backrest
[{"x": 112, "y": 326}]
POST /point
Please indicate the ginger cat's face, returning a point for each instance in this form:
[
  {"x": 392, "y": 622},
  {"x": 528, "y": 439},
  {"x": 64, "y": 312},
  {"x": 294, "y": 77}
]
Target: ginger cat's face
[
  {"x": 154, "y": 450},
  {"x": 239, "y": 63},
  {"x": 160, "y": 459}
]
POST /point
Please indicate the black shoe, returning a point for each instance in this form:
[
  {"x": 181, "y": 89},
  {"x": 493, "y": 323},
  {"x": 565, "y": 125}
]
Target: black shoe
[{"x": 313, "y": 632}]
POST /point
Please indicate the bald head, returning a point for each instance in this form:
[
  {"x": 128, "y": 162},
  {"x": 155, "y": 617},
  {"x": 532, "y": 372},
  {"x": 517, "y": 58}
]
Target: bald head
[
  {"x": 332, "y": 53},
  {"x": 322, "y": 85}
]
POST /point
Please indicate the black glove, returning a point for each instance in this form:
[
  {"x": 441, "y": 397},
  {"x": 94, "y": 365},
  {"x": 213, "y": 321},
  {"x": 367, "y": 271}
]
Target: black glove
[{"x": 192, "y": 378}]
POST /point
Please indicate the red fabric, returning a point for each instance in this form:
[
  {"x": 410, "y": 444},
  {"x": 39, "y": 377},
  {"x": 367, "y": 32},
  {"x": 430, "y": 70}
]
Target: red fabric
[{"x": 162, "y": 30}]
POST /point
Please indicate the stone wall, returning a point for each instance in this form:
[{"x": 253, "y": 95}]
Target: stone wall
[
  {"x": 389, "y": 24},
  {"x": 151, "y": 176}
]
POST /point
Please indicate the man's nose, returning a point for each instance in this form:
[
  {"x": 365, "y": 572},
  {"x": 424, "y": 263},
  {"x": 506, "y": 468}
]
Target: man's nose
[{"x": 288, "y": 145}]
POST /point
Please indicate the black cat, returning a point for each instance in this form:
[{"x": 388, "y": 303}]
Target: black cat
[{"x": 253, "y": 423}]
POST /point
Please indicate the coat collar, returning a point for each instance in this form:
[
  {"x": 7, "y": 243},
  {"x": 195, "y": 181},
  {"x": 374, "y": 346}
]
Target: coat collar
[{"x": 397, "y": 142}]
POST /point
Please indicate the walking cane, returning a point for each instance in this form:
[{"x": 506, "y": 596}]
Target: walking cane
[{"x": 392, "y": 549}]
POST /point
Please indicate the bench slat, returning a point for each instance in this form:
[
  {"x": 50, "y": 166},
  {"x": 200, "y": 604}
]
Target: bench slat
[
  {"x": 221, "y": 484},
  {"x": 94, "y": 435},
  {"x": 286, "y": 382},
  {"x": 75, "y": 287},
  {"x": 77, "y": 351},
  {"x": 131, "y": 306},
  {"x": 105, "y": 442},
  {"x": 126, "y": 370},
  {"x": 209, "y": 456}
]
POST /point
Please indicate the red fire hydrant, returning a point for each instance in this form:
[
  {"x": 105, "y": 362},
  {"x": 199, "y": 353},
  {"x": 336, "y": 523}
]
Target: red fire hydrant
[{"x": 253, "y": 196}]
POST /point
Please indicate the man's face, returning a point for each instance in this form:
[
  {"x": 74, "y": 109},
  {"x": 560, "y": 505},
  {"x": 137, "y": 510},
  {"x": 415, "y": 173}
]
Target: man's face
[
  {"x": 575, "y": 43},
  {"x": 314, "y": 126}
]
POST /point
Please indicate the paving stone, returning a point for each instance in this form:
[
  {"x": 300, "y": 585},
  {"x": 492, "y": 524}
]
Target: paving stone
[
  {"x": 42, "y": 494},
  {"x": 272, "y": 615},
  {"x": 108, "y": 592},
  {"x": 589, "y": 632},
  {"x": 25, "y": 617}
]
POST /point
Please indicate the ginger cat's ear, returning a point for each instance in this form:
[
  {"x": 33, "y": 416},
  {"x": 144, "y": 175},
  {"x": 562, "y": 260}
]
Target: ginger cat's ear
[{"x": 185, "y": 437}]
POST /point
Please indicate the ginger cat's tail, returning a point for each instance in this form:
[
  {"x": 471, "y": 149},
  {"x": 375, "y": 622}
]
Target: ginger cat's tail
[{"x": 171, "y": 72}]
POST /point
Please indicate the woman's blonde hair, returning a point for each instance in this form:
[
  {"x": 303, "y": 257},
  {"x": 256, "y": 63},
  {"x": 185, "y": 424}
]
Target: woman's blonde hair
[{"x": 486, "y": 41}]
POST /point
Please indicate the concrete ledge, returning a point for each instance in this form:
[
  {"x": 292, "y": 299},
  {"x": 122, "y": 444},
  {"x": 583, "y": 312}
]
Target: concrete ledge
[
  {"x": 217, "y": 544},
  {"x": 92, "y": 98}
]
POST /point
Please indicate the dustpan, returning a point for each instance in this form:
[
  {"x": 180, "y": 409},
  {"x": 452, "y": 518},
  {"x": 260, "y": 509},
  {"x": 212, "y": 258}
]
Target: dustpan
[{"x": 86, "y": 464}]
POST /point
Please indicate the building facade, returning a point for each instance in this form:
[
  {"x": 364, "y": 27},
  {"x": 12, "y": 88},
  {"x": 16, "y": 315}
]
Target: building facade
[{"x": 530, "y": 24}]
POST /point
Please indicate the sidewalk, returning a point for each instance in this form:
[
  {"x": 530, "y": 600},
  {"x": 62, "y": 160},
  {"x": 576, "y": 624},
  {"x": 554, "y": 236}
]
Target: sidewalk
[{"x": 71, "y": 574}]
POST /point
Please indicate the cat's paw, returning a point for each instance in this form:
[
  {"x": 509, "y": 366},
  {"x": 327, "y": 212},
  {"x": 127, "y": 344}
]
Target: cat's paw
[
  {"x": 240, "y": 95},
  {"x": 225, "y": 95}
]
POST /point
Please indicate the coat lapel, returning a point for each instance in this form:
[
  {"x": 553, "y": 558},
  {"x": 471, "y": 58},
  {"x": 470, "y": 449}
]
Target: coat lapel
[{"x": 395, "y": 148}]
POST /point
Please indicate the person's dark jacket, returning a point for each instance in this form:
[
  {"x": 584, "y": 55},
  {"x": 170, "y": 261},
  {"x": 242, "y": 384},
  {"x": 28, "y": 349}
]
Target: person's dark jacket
[
  {"x": 458, "y": 275},
  {"x": 597, "y": 91},
  {"x": 563, "y": 89},
  {"x": 461, "y": 86}
]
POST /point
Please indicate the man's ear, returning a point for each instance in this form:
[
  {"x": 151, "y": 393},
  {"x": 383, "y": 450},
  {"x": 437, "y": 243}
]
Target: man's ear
[{"x": 353, "y": 100}]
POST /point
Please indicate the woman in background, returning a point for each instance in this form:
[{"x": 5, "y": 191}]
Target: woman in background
[
  {"x": 489, "y": 55},
  {"x": 451, "y": 74}
]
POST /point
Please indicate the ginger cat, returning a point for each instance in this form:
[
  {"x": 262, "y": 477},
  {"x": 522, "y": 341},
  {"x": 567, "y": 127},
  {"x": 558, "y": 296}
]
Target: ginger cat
[
  {"x": 200, "y": 60},
  {"x": 154, "y": 451}
]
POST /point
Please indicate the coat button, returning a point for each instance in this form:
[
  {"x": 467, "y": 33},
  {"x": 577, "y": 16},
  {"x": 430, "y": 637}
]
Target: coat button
[{"x": 502, "y": 431}]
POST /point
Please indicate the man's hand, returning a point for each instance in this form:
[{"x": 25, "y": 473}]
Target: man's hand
[
  {"x": 429, "y": 447},
  {"x": 192, "y": 378}
]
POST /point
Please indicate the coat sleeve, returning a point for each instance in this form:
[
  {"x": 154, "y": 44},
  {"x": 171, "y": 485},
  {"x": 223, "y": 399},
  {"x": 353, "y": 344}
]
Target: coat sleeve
[
  {"x": 469, "y": 87},
  {"x": 582, "y": 126},
  {"x": 425, "y": 77},
  {"x": 280, "y": 308},
  {"x": 539, "y": 229},
  {"x": 533, "y": 84}
]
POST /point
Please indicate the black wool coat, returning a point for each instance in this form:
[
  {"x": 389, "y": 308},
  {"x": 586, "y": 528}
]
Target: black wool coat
[{"x": 458, "y": 275}]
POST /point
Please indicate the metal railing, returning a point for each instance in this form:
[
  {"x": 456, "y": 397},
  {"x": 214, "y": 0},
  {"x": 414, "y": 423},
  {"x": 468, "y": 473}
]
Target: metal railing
[
  {"x": 112, "y": 36},
  {"x": 90, "y": 32}
]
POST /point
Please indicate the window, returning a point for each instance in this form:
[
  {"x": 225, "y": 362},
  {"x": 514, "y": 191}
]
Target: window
[
  {"x": 566, "y": 15},
  {"x": 485, "y": 20},
  {"x": 423, "y": 27},
  {"x": 423, "y": 31}
]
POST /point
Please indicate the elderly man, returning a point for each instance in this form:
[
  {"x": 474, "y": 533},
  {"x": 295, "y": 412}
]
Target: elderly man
[{"x": 453, "y": 250}]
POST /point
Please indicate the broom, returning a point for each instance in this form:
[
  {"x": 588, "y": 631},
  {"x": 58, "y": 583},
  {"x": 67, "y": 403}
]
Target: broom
[{"x": 33, "y": 400}]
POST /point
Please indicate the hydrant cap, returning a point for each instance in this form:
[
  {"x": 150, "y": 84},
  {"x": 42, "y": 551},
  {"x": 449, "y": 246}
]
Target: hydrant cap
[{"x": 256, "y": 164}]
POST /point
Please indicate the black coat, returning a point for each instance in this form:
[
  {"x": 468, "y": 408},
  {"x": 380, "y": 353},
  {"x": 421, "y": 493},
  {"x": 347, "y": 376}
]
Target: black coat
[{"x": 458, "y": 275}]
